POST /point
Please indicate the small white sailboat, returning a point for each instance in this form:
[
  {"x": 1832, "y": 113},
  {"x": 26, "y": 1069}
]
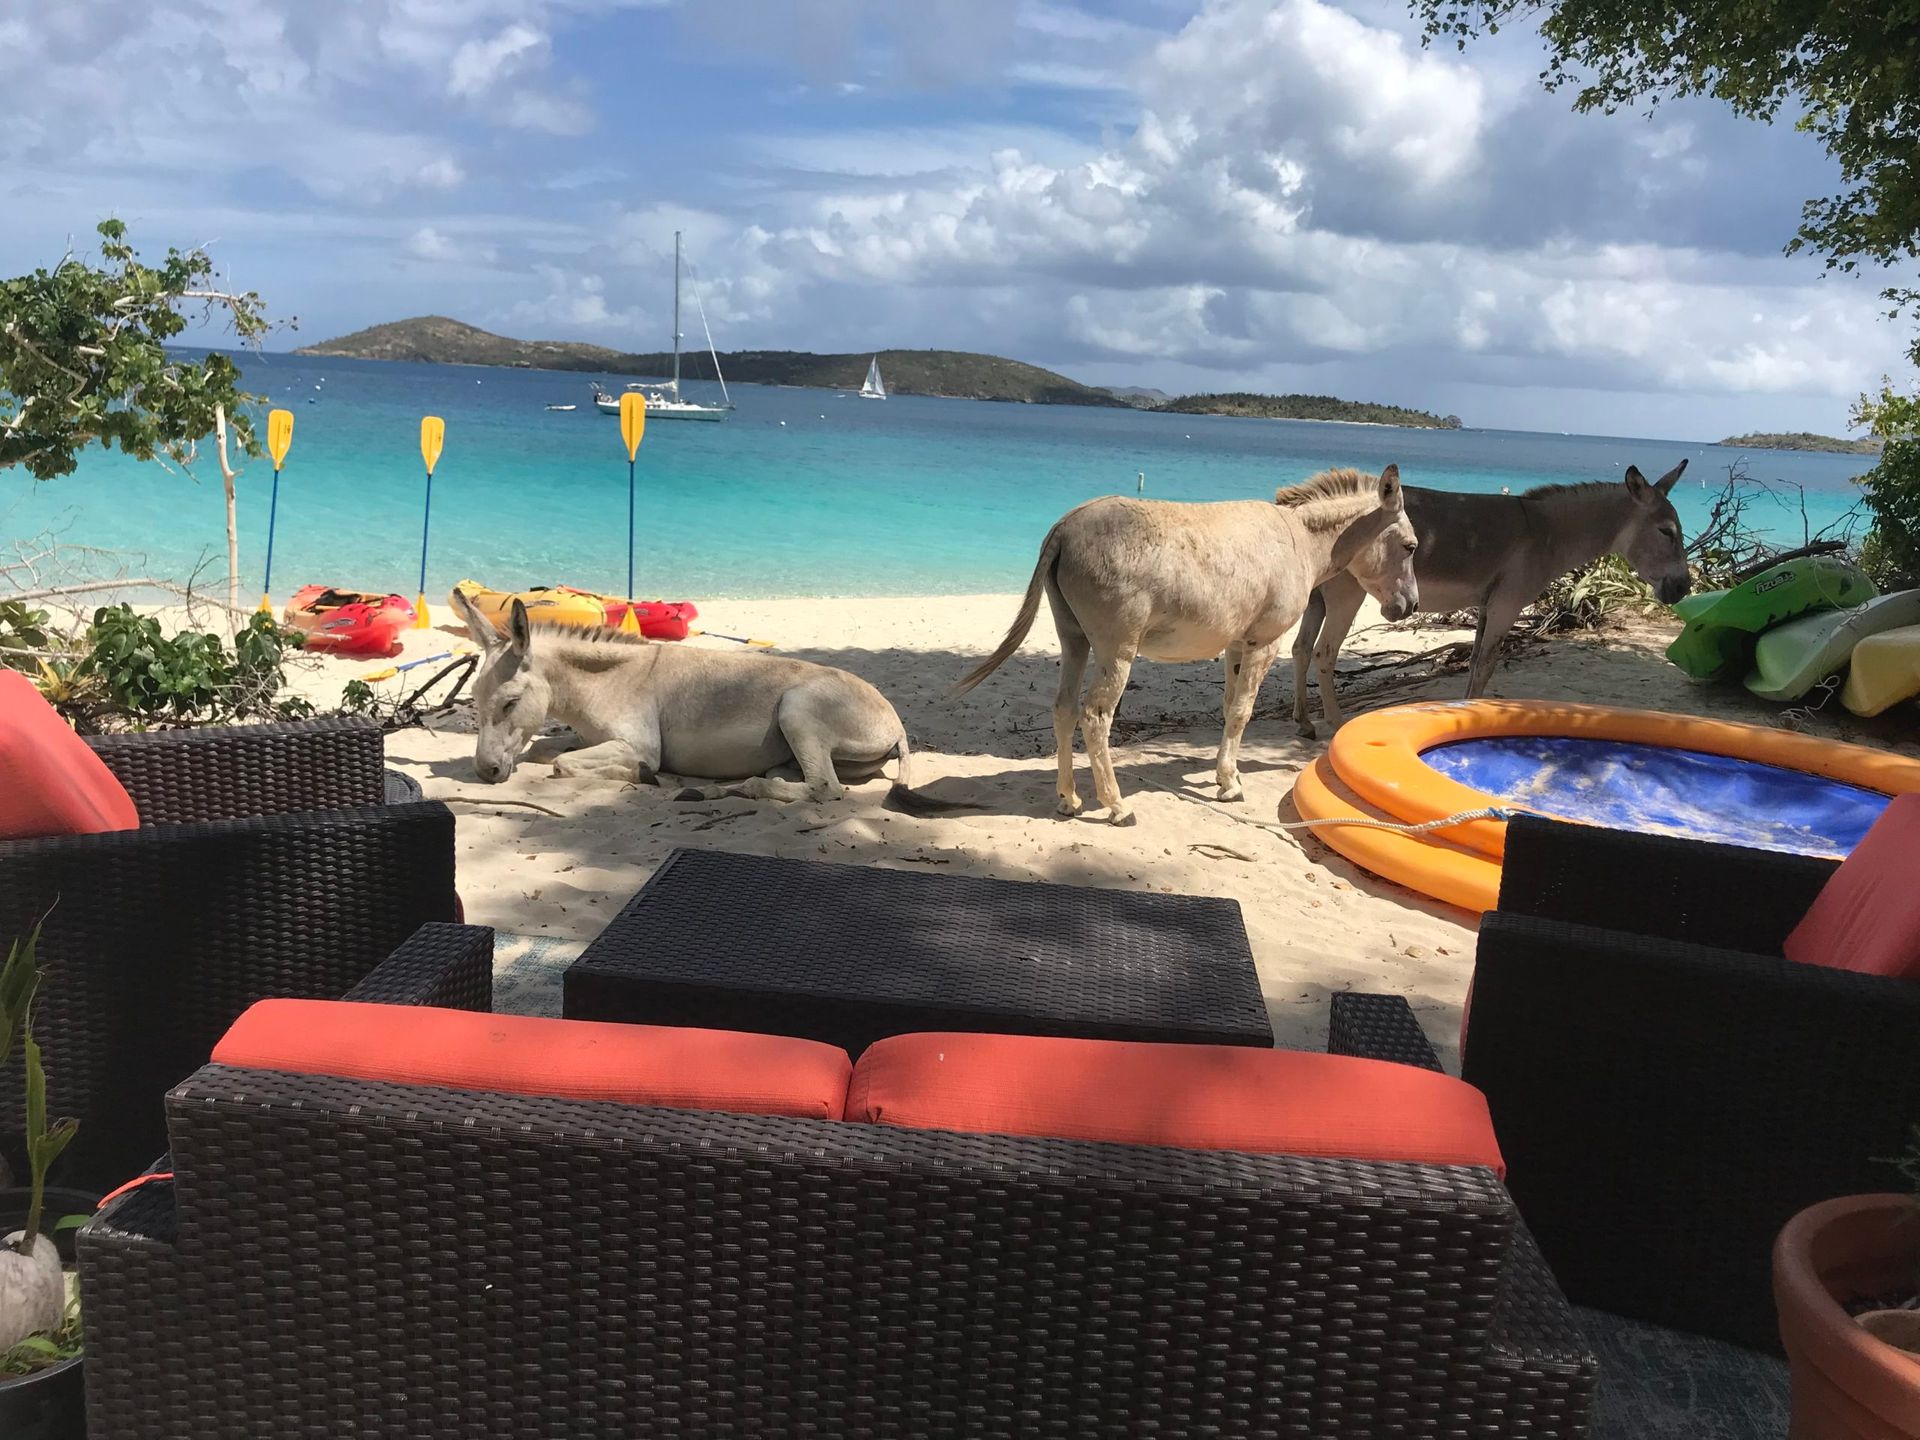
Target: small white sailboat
[
  {"x": 563, "y": 408},
  {"x": 874, "y": 388},
  {"x": 664, "y": 402}
]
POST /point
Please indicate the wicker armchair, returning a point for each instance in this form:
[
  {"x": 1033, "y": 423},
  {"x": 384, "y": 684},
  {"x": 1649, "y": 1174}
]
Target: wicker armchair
[
  {"x": 1668, "y": 1090},
  {"x": 271, "y": 860},
  {"x": 343, "y": 1256}
]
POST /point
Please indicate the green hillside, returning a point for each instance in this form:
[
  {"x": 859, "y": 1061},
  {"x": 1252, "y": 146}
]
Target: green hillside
[
  {"x": 1803, "y": 440},
  {"x": 1307, "y": 407},
  {"x": 436, "y": 340},
  {"x": 957, "y": 373}
]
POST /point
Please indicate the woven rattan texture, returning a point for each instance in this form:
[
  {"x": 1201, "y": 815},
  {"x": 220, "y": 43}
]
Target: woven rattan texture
[
  {"x": 849, "y": 954},
  {"x": 1663, "y": 1106},
  {"x": 351, "y": 1258},
  {"x": 1378, "y": 1027},
  {"x": 180, "y": 776},
  {"x": 458, "y": 1265},
  {"x": 156, "y": 939},
  {"x": 449, "y": 966}
]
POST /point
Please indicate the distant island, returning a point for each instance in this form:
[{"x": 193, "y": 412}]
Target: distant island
[
  {"x": 1308, "y": 407},
  {"x": 1805, "y": 440},
  {"x": 1141, "y": 396},
  {"x": 955, "y": 374}
]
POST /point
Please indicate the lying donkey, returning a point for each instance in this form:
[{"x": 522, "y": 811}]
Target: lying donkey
[
  {"x": 709, "y": 714},
  {"x": 1497, "y": 554}
]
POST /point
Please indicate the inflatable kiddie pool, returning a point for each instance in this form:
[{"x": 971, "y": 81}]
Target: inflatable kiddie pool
[{"x": 1625, "y": 769}]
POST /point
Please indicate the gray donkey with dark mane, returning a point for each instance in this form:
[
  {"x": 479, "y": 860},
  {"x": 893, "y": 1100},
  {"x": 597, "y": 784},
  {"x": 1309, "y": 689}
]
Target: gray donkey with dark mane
[{"x": 1497, "y": 554}]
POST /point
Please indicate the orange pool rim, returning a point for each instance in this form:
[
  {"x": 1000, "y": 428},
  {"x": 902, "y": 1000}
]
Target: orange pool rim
[{"x": 1373, "y": 769}]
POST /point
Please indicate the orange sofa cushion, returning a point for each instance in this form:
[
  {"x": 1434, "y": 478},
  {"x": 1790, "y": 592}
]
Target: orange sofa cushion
[
  {"x": 1196, "y": 1097},
  {"x": 50, "y": 782},
  {"x": 1866, "y": 918},
  {"x": 663, "y": 1065}
]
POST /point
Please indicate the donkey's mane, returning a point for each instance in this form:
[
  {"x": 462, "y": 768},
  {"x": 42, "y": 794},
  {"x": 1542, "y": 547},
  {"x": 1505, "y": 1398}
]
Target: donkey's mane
[
  {"x": 1328, "y": 485},
  {"x": 589, "y": 634},
  {"x": 1582, "y": 487}
]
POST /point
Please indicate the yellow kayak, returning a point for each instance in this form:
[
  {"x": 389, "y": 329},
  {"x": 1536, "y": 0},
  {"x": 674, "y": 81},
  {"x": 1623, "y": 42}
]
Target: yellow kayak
[
  {"x": 1884, "y": 670},
  {"x": 564, "y": 605}
]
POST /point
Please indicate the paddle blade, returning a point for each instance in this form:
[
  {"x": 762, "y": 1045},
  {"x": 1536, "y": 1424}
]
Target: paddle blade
[
  {"x": 633, "y": 420},
  {"x": 629, "y": 623},
  {"x": 421, "y": 620},
  {"x": 433, "y": 435},
  {"x": 279, "y": 436}
]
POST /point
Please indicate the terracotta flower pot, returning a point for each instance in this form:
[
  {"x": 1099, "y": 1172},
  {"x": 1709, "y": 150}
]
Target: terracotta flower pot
[{"x": 1846, "y": 1384}]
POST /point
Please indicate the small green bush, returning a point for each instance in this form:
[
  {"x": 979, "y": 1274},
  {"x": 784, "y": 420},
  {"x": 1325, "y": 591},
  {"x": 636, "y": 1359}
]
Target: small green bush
[
  {"x": 1891, "y": 552},
  {"x": 1583, "y": 599},
  {"x": 145, "y": 674}
]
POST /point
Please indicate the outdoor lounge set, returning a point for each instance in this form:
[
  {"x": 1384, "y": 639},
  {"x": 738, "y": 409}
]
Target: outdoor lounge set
[{"x": 844, "y": 1151}]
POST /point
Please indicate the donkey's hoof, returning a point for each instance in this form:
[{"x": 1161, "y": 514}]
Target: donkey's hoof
[
  {"x": 1305, "y": 729},
  {"x": 1232, "y": 791},
  {"x": 1120, "y": 815},
  {"x": 691, "y": 792},
  {"x": 1067, "y": 806}
]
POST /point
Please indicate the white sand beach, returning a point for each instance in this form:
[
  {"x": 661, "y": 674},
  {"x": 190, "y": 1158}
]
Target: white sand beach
[{"x": 1317, "y": 924}]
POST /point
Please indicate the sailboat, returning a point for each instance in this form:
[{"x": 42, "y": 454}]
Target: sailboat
[
  {"x": 874, "y": 389},
  {"x": 664, "y": 402}
]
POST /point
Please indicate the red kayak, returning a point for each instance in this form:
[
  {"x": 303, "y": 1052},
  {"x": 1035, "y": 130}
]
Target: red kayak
[
  {"x": 658, "y": 619},
  {"x": 349, "y": 622}
]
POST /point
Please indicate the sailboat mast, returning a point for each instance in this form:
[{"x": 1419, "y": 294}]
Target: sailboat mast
[{"x": 676, "y": 314}]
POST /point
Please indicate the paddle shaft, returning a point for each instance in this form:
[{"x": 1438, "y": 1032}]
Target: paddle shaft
[
  {"x": 426, "y": 523},
  {"x": 630, "y": 485},
  {"x": 273, "y": 512}
]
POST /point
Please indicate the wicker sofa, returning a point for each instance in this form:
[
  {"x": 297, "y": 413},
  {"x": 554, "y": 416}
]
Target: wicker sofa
[
  {"x": 1667, "y": 1088},
  {"x": 270, "y": 860},
  {"x": 345, "y": 1257}
]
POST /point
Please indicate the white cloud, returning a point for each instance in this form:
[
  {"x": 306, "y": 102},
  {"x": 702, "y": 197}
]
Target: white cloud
[
  {"x": 478, "y": 66},
  {"x": 1274, "y": 193},
  {"x": 1300, "y": 186},
  {"x": 427, "y": 243},
  {"x": 440, "y": 173}
]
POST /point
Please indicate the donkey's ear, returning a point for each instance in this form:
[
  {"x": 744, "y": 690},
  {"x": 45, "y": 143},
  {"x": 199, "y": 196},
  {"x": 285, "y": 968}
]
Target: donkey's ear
[
  {"x": 1637, "y": 485},
  {"x": 1391, "y": 498},
  {"x": 520, "y": 629},
  {"x": 1667, "y": 481},
  {"x": 479, "y": 628}
]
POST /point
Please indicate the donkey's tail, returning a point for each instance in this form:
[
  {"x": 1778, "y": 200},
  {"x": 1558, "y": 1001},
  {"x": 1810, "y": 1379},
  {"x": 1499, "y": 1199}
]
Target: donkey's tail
[
  {"x": 903, "y": 797},
  {"x": 1023, "y": 622}
]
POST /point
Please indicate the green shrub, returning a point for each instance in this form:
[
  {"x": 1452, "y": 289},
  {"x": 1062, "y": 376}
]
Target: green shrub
[
  {"x": 145, "y": 674},
  {"x": 1583, "y": 599},
  {"x": 1891, "y": 552},
  {"x": 22, "y": 629}
]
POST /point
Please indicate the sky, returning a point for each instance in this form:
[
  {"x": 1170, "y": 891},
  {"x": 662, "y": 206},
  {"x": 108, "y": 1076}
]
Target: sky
[{"x": 1195, "y": 195}]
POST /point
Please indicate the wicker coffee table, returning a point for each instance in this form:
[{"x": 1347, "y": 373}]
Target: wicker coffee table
[{"x": 849, "y": 954}]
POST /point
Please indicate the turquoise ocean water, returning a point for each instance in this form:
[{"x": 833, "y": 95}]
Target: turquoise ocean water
[{"x": 800, "y": 492}]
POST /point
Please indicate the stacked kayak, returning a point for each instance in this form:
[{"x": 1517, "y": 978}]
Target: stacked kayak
[
  {"x": 1790, "y": 659},
  {"x": 349, "y": 622},
  {"x": 564, "y": 605},
  {"x": 1723, "y": 626},
  {"x": 1885, "y": 670}
]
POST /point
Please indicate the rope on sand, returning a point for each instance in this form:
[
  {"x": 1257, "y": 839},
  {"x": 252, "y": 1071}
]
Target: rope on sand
[{"x": 1491, "y": 812}]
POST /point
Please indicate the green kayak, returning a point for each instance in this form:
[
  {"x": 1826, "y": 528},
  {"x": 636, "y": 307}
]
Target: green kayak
[
  {"x": 1722, "y": 624},
  {"x": 1791, "y": 659}
]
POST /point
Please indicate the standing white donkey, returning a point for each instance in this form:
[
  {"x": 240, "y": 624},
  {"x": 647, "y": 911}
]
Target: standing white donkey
[{"x": 1173, "y": 581}]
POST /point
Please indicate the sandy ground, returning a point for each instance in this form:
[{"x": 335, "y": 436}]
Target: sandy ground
[{"x": 1318, "y": 925}]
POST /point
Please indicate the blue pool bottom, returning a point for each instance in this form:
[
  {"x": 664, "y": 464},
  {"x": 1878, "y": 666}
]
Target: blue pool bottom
[{"x": 1628, "y": 786}]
